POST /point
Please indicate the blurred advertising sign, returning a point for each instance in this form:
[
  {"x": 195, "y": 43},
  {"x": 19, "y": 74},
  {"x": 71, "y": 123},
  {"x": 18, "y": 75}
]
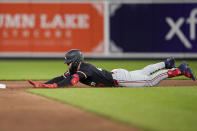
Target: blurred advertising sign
[
  {"x": 153, "y": 27},
  {"x": 51, "y": 27}
]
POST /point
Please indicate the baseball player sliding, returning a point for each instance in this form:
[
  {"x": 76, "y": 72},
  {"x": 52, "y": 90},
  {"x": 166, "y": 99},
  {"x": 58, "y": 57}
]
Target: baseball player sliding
[{"x": 86, "y": 73}]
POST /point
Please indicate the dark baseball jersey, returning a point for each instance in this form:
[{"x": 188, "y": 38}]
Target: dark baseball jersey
[{"x": 93, "y": 76}]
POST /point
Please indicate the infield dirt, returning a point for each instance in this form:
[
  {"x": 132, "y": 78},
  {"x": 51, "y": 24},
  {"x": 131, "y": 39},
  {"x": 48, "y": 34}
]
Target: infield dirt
[{"x": 22, "y": 111}]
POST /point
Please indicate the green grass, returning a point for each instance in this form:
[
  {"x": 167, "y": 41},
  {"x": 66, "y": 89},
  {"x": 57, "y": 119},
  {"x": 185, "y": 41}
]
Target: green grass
[
  {"x": 30, "y": 69},
  {"x": 47, "y": 69},
  {"x": 160, "y": 109}
]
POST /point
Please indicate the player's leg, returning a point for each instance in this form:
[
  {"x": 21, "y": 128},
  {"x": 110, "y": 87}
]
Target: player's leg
[
  {"x": 153, "y": 68},
  {"x": 139, "y": 79},
  {"x": 142, "y": 78},
  {"x": 168, "y": 64},
  {"x": 183, "y": 69},
  {"x": 157, "y": 77}
]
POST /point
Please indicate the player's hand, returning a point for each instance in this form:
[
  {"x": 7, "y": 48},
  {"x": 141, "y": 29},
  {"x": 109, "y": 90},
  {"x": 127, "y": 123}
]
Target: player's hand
[{"x": 35, "y": 84}]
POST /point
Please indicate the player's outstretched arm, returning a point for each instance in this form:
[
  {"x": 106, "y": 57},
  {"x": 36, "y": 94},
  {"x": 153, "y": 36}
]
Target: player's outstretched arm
[
  {"x": 66, "y": 81},
  {"x": 51, "y": 82}
]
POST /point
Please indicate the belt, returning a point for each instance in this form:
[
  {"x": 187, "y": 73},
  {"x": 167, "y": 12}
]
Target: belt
[{"x": 115, "y": 81}]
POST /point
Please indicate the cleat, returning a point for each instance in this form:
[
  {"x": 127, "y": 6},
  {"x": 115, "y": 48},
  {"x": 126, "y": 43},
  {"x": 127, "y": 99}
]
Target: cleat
[
  {"x": 186, "y": 71},
  {"x": 169, "y": 63}
]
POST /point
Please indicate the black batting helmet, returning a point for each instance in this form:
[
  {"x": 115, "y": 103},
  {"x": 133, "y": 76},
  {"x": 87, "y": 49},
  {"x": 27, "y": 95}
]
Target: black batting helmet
[{"x": 73, "y": 56}]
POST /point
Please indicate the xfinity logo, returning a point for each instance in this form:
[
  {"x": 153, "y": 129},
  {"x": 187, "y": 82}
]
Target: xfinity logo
[{"x": 176, "y": 28}]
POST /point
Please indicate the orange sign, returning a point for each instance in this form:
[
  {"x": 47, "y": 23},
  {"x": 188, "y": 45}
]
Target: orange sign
[{"x": 51, "y": 27}]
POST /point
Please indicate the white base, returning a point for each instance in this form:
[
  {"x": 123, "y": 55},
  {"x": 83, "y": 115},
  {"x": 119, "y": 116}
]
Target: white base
[{"x": 2, "y": 86}]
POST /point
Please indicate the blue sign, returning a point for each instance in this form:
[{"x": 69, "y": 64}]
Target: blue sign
[{"x": 154, "y": 27}]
